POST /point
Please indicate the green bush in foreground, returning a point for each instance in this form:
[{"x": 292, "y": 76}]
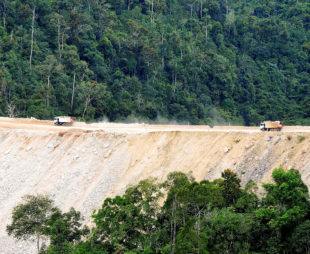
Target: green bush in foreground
[{"x": 194, "y": 217}]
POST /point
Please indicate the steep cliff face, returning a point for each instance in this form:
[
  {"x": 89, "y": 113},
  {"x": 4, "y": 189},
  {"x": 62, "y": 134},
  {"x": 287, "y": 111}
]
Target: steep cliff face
[{"x": 80, "y": 166}]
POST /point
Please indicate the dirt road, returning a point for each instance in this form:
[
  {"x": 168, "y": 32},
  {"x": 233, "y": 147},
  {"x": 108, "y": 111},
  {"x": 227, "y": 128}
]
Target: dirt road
[
  {"x": 80, "y": 166},
  {"x": 33, "y": 124}
]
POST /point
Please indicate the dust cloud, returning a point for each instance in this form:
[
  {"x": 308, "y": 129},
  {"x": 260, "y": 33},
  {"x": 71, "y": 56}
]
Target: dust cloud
[{"x": 81, "y": 165}]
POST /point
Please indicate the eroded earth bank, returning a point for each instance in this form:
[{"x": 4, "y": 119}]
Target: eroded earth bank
[{"x": 81, "y": 165}]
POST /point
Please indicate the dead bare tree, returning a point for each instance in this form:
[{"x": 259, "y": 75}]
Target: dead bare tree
[
  {"x": 227, "y": 10},
  {"x": 4, "y": 9},
  {"x": 10, "y": 110},
  {"x": 73, "y": 89},
  {"x": 32, "y": 35}
]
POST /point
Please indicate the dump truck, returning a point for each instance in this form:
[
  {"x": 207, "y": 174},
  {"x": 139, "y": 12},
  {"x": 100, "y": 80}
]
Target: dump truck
[
  {"x": 64, "y": 120},
  {"x": 271, "y": 126}
]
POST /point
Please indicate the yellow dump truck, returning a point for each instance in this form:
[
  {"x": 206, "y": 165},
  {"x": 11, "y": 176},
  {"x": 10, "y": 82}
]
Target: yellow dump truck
[
  {"x": 271, "y": 126},
  {"x": 64, "y": 120}
]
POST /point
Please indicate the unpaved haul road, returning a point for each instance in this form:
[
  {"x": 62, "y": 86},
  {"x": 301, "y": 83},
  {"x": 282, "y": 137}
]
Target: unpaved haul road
[
  {"x": 44, "y": 125},
  {"x": 81, "y": 165}
]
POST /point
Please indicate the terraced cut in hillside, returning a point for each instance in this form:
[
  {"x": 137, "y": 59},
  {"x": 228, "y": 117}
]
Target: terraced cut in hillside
[{"x": 81, "y": 165}]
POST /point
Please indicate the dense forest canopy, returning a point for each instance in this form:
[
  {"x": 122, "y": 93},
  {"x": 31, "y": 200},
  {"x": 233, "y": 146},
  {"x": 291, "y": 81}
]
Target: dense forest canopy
[
  {"x": 194, "y": 217},
  {"x": 196, "y": 61}
]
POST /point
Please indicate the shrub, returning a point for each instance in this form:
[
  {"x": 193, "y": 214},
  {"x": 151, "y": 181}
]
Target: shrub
[{"x": 300, "y": 138}]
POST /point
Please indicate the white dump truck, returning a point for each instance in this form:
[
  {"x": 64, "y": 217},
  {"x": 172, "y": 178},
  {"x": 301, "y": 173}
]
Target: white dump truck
[
  {"x": 64, "y": 120},
  {"x": 271, "y": 126}
]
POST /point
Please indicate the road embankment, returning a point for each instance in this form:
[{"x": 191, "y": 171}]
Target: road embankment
[{"x": 81, "y": 165}]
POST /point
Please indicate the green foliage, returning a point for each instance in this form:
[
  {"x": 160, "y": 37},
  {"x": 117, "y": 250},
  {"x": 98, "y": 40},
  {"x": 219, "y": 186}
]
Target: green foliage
[
  {"x": 237, "y": 140},
  {"x": 128, "y": 222},
  {"x": 30, "y": 218},
  {"x": 300, "y": 239},
  {"x": 300, "y": 138},
  {"x": 285, "y": 205},
  {"x": 197, "y": 62},
  {"x": 231, "y": 187},
  {"x": 64, "y": 229},
  {"x": 288, "y": 189},
  {"x": 38, "y": 217},
  {"x": 194, "y": 217},
  {"x": 188, "y": 240},
  {"x": 230, "y": 232}
]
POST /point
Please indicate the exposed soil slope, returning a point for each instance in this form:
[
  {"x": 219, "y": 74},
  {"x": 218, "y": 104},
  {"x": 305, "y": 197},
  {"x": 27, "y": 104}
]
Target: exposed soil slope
[{"x": 79, "y": 166}]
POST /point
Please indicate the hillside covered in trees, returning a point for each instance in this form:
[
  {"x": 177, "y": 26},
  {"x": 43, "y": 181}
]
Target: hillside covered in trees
[{"x": 196, "y": 61}]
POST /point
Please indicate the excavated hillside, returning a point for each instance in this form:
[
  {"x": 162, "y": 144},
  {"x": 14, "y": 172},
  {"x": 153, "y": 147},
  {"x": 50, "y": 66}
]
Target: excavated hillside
[{"x": 81, "y": 165}]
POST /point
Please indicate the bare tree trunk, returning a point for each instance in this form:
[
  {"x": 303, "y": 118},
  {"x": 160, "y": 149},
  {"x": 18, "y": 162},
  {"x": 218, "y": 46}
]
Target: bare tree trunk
[
  {"x": 191, "y": 5},
  {"x": 119, "y": 46},
  {"x": 201, "y": 5},
  {"x": 86, "y": 105},
  {"x": 48, "y": 90},
  {"x": 174, "y": 225},
  {"x": 73, "y": 90},
  {"x": 226, "y": 1},
  {"x": 174, "y": 83},
  {"x": 10, "y": 110},
  {"x": 62, "y": 41},
  {"x": 4, "y": 20},
  {"x": 58, "y": 37},
  {"x": 162, "y": 53},
  {"x": 38, "y": 242},
  {"x": 162, "y": 63},
  {"x": 4, "y": 8},
  {"x": 32, "y": 34},
  {"x": 207, "y": 30},
  {"x": 128, "y": 5},
  {"x": 88, "y": 2},
  {"x": 152, "y": 9}
]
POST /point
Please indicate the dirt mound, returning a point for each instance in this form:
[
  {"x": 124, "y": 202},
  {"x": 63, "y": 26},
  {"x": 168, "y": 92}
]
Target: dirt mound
[{"x": 79, "y": 166}]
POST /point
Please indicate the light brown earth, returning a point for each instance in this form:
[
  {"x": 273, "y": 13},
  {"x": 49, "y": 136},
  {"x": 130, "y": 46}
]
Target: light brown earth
[{"x": 81, "y": 165}]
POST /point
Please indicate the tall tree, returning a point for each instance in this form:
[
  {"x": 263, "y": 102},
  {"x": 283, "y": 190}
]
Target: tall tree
[
  {"x": 64, "y": 230},
  {"x": 128, "y": 222},
  {"x": 231, "y": 187},
  {"x": 47, "y": 69},
  {"x": 30, "y": 218},
  {"x": 77, "y": 68}
]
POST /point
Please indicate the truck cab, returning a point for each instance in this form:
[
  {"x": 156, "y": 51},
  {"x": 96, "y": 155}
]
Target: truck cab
[
  {"x": 56, "y": 120},
  {"x": 64, "y": 120},
  {"x": 262, "y": 126}
]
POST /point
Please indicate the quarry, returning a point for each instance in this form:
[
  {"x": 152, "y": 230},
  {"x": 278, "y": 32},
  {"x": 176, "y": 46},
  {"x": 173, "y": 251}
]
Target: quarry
[{"x": 80, "y": 165}]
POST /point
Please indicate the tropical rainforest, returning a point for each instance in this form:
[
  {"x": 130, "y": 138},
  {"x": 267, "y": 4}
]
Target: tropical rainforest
[
  {"x": 178, "y": 216},
  {"x": 192, "y": 61}
]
